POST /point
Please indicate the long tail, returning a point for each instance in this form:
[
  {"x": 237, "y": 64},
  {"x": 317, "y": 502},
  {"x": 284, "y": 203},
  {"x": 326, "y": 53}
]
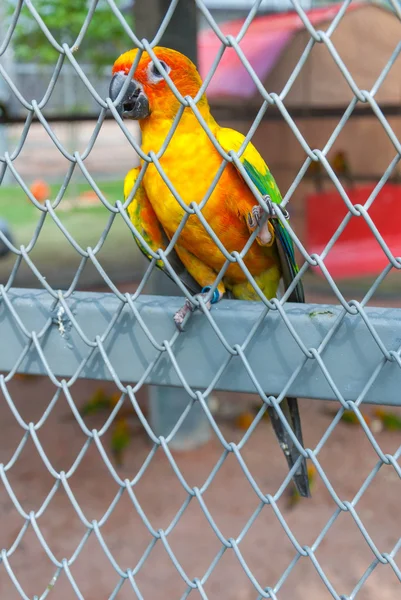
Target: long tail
[{"x": 289, "y": 406}]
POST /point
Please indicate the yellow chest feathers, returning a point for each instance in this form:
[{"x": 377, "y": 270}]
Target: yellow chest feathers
[{"x": 188, "y": 166}]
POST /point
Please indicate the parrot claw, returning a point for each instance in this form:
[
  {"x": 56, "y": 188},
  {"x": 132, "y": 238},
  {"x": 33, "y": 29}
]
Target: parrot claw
[
  {"x": 257, "y": 217},
  {"x": 182, "y": 313},
  {"x": 272, "y": 210},
  {"x": 190, "y": 307}
]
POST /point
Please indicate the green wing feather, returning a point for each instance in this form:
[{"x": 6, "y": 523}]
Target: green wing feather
[
  {"x": 260, "y": 175},
  {"x": 262, "y": 178},
  {"x": 266, "y": 184}
]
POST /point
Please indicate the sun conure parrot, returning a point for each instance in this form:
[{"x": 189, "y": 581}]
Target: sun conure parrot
[
  {"x": 190, "y": 162},
  {"x": 342, "y": 167}
]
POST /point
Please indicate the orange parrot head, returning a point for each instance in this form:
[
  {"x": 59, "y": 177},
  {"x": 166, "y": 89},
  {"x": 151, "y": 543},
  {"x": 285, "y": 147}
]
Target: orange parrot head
[{"x": 148, "y": 94}]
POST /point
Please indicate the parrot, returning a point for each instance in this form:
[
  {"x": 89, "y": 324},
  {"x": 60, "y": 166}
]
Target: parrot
[
  {"x": 190, "y": 162},
  {"x": 341, "y": 167},
  {"x": 390, "y": 420},
  {"x": 120, "y": 439},
  {"x": 315, "y": 171}
]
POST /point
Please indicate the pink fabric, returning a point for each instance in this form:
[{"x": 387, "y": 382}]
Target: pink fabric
[{"x": 263, "y": 43}]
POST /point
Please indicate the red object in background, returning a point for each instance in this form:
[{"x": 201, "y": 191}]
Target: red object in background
[
  {"x": 263, "y": 43},
  {"x": 356, "y": 253}
]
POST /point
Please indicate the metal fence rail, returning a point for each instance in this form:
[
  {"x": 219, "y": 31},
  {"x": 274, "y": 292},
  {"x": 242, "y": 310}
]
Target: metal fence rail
[{"x": 346, "y": 352}]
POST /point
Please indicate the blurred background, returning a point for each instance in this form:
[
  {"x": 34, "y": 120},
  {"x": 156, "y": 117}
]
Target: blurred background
[
  {"x": 273, "y": 44},
  {"x": 366, "y": 38}
]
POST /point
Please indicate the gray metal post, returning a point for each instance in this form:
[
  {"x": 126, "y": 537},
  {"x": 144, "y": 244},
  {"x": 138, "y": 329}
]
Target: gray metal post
[
  {"x": 181, "y": 32},
  {"x": 167, "y": 404}
]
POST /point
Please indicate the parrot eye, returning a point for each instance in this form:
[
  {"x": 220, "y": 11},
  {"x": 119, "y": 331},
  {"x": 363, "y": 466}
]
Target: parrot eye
[{"x": 154, "y": 74}]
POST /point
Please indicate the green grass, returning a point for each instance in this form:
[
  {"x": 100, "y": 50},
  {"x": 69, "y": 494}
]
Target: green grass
[
  {"x": 53, "y": 254},
  {"x": 57, "y": 260},
  {"x": 18, "y": 210}
]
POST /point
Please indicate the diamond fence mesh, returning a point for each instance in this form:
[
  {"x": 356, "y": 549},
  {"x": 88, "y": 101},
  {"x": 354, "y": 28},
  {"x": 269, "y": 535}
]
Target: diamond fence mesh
[{"x": 347, "y": 352}]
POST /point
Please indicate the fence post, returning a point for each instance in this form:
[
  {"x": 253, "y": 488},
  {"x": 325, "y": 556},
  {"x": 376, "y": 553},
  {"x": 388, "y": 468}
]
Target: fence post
[
  {"x": 166, "y": 404},
  {"x": 181, "y": 31}
]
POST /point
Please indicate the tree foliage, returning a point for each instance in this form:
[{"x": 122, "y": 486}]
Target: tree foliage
[{"x": 103, "y": 41}]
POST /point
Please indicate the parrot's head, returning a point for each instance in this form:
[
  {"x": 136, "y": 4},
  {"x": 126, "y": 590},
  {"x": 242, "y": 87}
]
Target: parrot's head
[{"x": 148, "y": 94}]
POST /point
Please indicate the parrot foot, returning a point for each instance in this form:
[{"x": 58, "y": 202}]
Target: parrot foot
[
  {"x": 258, "y": 216},
  {"x": 189, "y": 307},
  {"x": 255, "y": 217},
  {"x": 272, "y": 210},
  {"x": 182, "y": 313}
]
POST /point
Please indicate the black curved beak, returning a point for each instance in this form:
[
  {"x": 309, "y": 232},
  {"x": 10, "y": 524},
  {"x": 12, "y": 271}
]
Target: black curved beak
[{"x": 134, "y": 103}]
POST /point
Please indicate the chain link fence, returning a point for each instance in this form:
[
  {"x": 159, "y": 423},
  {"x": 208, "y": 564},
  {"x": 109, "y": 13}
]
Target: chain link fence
[
  {"x": 346, "y": 352},
  {"x": 69, "y": 97}
]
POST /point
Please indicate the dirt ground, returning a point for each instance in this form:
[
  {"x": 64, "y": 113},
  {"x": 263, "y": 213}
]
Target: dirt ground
[{"x": 347, "y": 459}]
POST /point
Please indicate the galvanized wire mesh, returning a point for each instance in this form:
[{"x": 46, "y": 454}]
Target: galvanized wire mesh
[{"x": 62, "y": 313}]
